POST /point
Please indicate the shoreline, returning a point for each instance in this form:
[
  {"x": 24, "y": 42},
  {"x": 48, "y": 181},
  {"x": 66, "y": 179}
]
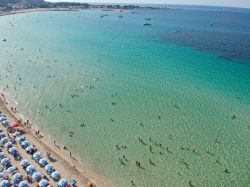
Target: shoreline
[
  {"x": 21, "y": 11},
  {"x": 68, "y": 165}
]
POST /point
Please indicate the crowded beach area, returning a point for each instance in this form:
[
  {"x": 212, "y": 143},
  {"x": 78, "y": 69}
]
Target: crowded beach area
[{"x": 26, "y": 160}]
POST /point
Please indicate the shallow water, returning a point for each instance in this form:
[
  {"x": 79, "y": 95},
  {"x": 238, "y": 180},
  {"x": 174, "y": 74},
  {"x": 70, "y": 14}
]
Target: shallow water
[{"x": 124, "y": 80}]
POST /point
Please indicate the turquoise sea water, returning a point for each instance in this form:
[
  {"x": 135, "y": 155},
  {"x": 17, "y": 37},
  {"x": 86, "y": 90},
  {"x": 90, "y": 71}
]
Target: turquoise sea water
[{"x": 178, "y": 83}]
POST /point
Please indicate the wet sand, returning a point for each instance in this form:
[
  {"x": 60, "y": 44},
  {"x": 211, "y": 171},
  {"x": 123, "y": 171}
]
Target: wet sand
[{"x": 66, "y": 164}]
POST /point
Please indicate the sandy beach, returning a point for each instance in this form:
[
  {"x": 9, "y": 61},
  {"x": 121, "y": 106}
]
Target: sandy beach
[
  {"x": 21, "y": 11},
  {"x": 69, "y": 167}
]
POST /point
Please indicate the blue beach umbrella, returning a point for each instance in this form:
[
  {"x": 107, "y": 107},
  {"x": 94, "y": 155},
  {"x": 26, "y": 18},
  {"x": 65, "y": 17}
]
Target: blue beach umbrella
[
  {"x": 16, "y": 134},
  {"x": 30, "y": 169},
  {"x": 2, "y": 135},
  {"x": 29, "y": 149},
  {"x": 5, "y": 123},
  {"x": 25, "y": 144},
  {"x": 5, "y": 183},
  {"x": 20, "y": 138},
  {"x": 2, "y": 155},
  {"x": 56, "y": 175},
  {"x": 17, "y": 177},
  {"x": 23, "y": 184},
  {"x": 11, "y": 169},
  {"x": 43, "y": 183},
  {"x": 36, "y": 156},
  {"x": 43, "y": 162},
  {"x": 12, "y": 150},
  {"x": 8, "y": 145},
  {"x": 5, "y": 161},
  {"x": 1, "y": 175},
  {"x": 4, "y": 140},
  {"x": 4, "y": 120},
  {"x": 49, "y": 167},
  {"x": 63, "y": 183},
  {"x": 36, "y": 176},
  {"x": 24, "y": 163}
]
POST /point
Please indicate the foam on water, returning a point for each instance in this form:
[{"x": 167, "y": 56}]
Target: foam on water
[{"x": 124, "y": 82}]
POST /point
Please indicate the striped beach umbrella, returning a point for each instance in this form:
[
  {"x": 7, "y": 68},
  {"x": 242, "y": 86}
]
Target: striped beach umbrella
[
  {"x": 20, "y": 139},
  {"x": 17, "y": 177},
  {"x": 43, "y": 183},
  {"x": 49, "y": 167},
  {"x": 8, "y": 145},
  {"x": 2, "y": 155},
  {"x": 36, "y": 156},
  {"x": 43, "y": 162},
  {"x": 3, "y": 118},
  {"x": 5, "y": 161},
  {"x": 23, "y": 184},
  {"x": 25, "y": 163},
  {"x": 5, "y": 183},
  {"x": 25, "y": 144},
  {"x": 11, "y": 169},
  {"x": 5, "y": 123},
  {"x": 36, "y": 176},
  {"x": 63, "y": 183},
  {"x": 4, "y": 140},
  {"x": 2, "y": 135},
  {"x": 56, "y": 175},
  {"x": 29, "y": 149},
  {"x": 12, "y": 150},
  {"x": 30, "y": 169},
  {"x": 1, "y": 175}
]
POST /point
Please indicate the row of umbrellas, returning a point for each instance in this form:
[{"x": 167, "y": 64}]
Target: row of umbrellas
[{"x": 30, "y": 169}]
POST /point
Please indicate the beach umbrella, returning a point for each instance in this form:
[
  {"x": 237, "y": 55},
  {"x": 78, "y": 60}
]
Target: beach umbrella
[
  {"x": 20, "y": 138},
  {"x": 30, "y": 169},
  {"x": 29, "y": 149},
  {"x": 1, "y": 174},
  {"x": 11, "y": 169},
  {"x": 25, "y": 144},
  {"x": 49, "y": 167},
  {"x": 16, "y": 125},
  {"x": 12, "y": 150},
  {"x": 56, "y": 175},
  {"x": 5, "y": 183},
  {"x": 5, "y": 161},
  {"x": 36, "y": 156},
  {"x": 2, "y": 135},
  {"x": 4, "y": 140},
  {"x": 43, "y": 183},
  {"x": 36, "y": 176},
  {"x": 63, "y": 183},
  {"x": 16, "y": 134},
  {"x": 25, "y": 163},
  {"x": 8, "y": 145},
  {"x": 17, "y": 177},
  {"x": 3, "y": 118},
  {"x": 43, "y": 162},
  {"x": 23, "y": 184},
  {"x": 2, "y": 155},
  {"x": 5, "y": 123}
]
